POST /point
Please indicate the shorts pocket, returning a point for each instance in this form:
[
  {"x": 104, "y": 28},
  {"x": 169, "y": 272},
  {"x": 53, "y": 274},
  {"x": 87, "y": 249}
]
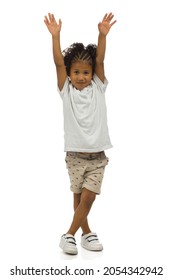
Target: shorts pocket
[{"x": 103, "y": 162}]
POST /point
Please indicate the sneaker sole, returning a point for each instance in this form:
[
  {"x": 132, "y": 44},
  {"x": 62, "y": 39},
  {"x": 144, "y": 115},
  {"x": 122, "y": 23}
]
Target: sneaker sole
[
  {"x": 100, "y": 248},
  {"x": 69, "y": 251}
]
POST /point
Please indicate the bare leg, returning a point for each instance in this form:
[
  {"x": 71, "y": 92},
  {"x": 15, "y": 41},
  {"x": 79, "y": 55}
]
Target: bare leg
[
  {"x": 85, "y": 227},
  {"x": 82, "y": 205}
]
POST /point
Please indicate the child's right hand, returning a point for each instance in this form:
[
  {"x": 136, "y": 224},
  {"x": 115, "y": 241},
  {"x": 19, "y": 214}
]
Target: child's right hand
[{"x": 53, "y": 27}]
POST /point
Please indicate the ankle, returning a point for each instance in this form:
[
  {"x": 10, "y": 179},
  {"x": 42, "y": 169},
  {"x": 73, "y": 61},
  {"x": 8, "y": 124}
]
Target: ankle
[
  {"x": 86, "y": 232},
  {"x": 70, "y": 232}
]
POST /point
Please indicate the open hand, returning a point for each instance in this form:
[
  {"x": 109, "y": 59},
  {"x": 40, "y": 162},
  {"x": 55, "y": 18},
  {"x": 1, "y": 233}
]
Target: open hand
[
  {"x": 53, "y": 27},
  {"x": 106, "y": 24}
]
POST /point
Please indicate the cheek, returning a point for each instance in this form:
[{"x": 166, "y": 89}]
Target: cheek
[{"x": 72, "y": 77}]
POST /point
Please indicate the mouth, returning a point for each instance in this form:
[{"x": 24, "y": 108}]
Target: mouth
[{"x": 81, "y": 84}]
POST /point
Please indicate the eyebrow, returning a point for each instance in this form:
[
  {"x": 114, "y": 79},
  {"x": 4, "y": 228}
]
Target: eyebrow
[{"x": 88, "y": 70}]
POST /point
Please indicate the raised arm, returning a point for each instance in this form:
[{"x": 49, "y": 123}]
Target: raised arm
[
  {"x": 55, "y": 28},
  {"x": 104, "y": 28}
]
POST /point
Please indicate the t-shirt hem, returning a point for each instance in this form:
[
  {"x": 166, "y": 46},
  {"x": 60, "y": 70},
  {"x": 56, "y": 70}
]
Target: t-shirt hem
[{"x": 93, "y": 150}]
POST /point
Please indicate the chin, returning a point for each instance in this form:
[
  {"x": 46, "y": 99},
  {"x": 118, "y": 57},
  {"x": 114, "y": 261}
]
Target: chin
[{"x": 80, "y": 87}]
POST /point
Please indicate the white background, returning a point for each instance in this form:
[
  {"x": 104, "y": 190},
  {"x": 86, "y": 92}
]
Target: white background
[{"x": 133, "y": 215}]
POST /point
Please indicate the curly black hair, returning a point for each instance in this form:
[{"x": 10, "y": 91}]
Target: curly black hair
[{"x": 76, "y": 52}]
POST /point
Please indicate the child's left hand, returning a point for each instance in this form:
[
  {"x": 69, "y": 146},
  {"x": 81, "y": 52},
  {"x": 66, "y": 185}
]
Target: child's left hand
[{"x": 106, "y": 24}]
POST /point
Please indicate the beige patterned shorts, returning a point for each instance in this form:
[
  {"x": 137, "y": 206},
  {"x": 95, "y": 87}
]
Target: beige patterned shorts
[{"x": 86, "y": 170}]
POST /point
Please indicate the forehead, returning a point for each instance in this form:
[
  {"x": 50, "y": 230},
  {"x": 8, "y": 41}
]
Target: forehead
[{"x": 81, "y": 65}]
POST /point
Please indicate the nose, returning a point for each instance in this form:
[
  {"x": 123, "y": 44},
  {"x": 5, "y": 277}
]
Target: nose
[{"x": 81, "y": 77}]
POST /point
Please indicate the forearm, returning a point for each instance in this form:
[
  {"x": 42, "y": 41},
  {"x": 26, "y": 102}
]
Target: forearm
[
  {"x": 101, "y": 48},
  {"x": 57, "y": 53}
]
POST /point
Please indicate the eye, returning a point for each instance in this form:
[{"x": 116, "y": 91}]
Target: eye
[
  {"x": 76, "y": 72},
  {"x": 86, "y": 72}
]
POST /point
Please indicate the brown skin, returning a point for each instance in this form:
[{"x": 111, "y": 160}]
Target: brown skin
[
  {"x": 82, "y": 206},
  {"x": 81, "y": 74}
]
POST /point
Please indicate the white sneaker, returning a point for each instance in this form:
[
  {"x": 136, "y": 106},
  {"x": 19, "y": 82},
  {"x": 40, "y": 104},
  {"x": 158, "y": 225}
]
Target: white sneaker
[
  {"x": 68, "y": 244},
  {"x": 91, "y": 242}
]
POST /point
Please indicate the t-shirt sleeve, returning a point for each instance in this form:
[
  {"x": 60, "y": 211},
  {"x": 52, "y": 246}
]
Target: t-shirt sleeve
[
  {"x": 101, "y": 85},
  {"x": 65, "y": 88}
]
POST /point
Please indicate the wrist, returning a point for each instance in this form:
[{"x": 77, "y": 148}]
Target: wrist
[
  {"x": 56, "y": 36},
  {"x": 102, "y": 35}
]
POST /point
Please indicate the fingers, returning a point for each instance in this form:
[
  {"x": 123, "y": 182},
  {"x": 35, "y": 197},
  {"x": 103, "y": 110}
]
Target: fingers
[
  {"x": 108, "y": 18},
  {"x": 60, "y": 22},
  {"x": 49, "y": 19},
  {"x": 46, "y": 20},
  {"x": 105, "y": 16},
  {"x": 113, "y": 22}
]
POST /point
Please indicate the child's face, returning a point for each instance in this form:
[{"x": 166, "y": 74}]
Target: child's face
[{"x": 80, "y": 74}]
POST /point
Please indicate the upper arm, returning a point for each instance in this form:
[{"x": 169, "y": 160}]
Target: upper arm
[
  {"x": 99, "y": 70},
  {"x": 61, "y": 75}
]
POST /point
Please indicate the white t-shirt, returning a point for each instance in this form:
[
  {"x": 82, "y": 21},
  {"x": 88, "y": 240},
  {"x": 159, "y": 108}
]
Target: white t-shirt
[{"x": 85, "y": 117}]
